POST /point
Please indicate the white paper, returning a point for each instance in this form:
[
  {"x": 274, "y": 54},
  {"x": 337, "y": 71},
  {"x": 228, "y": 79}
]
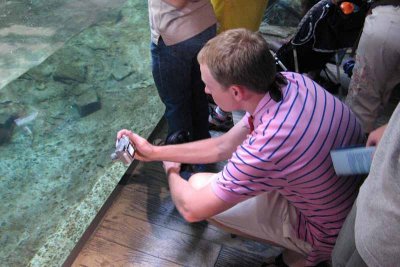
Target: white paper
[{"x": 352, "y": 160}]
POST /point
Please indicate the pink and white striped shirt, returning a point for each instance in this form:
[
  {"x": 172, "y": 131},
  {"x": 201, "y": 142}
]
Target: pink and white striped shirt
[{"x": 289, "y": 151}]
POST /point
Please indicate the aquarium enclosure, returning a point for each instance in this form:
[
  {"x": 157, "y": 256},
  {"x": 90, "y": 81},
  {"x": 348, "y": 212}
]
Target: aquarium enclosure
[{"x": 72, "y": 73}]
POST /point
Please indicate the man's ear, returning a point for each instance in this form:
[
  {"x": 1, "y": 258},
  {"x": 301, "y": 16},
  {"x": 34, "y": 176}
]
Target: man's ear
[{"x": 238, "y": 92}]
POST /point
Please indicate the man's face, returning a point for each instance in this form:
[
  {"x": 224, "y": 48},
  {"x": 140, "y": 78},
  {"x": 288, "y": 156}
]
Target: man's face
[{"x": 221, "y": 95}]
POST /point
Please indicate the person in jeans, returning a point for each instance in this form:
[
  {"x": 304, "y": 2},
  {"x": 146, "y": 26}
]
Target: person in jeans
[
  {"x": 179, "y": 29},
  {"x": 278, "y": 185},
  {"x": 232, "y": 15}
]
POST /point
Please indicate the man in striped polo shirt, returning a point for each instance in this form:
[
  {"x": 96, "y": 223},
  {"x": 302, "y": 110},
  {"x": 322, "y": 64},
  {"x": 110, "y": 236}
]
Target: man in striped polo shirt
[{"x": 279, "y": 184}]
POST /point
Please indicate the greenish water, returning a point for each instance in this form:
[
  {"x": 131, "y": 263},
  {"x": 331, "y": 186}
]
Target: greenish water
[{"x": 55, "y": 169}]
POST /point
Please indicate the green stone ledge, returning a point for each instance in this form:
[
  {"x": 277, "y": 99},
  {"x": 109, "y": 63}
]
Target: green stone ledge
[{"x": 60, "y": 243}]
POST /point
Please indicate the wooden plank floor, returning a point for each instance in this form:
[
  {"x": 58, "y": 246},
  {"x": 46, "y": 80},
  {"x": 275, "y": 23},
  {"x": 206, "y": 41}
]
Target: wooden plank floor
[{"x": 143, "y": 228}]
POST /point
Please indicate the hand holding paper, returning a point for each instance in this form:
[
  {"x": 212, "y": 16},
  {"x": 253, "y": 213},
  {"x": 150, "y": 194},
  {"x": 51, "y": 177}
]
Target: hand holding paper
[{"x": 352, "y": 160}]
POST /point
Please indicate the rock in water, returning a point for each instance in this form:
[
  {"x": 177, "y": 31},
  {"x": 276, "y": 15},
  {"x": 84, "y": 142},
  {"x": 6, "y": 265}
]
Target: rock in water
[{"x": 6, "y": 129}]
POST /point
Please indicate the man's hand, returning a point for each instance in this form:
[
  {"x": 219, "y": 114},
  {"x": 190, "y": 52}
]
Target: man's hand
[
  {"x": 375, "y": 136},
  {"x": 171, "y": 167},
  {"x": 144, "y": 150}
]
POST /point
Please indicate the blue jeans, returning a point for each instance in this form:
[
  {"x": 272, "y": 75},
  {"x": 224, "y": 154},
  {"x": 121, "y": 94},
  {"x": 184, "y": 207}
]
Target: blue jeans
[{"x": 176, "y": 74}]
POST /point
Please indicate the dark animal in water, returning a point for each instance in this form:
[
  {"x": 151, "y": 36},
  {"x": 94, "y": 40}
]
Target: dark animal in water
[{"x": 6, "y": 130}]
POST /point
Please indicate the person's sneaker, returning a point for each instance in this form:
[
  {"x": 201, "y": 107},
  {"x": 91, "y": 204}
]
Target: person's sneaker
[
  {"x": 180, "y": 137},
  {"x": 199, "y": 168},
  {"x": 219, "y": 120},
  {"x": 186, "y": 174},
  {"x": 276, "y": 261}
]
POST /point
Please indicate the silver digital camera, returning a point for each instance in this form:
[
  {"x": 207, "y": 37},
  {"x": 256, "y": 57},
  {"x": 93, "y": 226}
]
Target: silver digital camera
[{"x": 124, "y": 150}]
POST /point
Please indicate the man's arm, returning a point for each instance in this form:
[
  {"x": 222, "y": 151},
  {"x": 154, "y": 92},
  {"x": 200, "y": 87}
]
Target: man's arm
[
  {"x": 194, "y": 204},
  {"x": 204, "y": 151}
]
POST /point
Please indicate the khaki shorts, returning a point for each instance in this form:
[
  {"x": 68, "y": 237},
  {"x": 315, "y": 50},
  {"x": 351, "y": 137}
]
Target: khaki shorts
[{"x": 268, "y": 217}]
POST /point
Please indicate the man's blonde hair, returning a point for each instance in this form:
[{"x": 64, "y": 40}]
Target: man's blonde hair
[{"x": 239, "y": 57}]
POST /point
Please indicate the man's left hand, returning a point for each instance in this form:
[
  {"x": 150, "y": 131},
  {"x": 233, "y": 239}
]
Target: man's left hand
[{"x": 171, "y": 167}]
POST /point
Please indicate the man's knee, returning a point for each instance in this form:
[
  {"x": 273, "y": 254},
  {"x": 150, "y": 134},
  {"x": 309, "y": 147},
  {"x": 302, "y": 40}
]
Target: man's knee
[{"x": 200, "y": 180}]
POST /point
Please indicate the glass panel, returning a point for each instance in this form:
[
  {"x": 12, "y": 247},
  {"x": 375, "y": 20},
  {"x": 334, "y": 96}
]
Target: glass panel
[
  {"x": 286, "y": 13},
  {"x": 72, "y": 73},
  {"x": 281, "y": 18}
]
